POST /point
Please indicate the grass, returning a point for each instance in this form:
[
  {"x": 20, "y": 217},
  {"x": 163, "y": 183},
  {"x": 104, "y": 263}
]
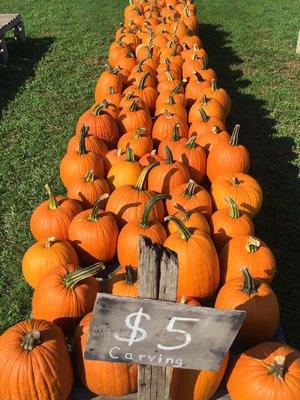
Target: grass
[{"x": 49, "y": 82}]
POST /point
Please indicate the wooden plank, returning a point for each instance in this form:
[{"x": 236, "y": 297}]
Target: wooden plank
[
  {"x": 148, "y": 272},
  {"x": 7, "y": 22},
  {"x": 168, "y": 276}
]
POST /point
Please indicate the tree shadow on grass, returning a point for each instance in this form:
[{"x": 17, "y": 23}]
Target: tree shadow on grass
[
  {"x": 23, "y": 58},
  {"x": 271, "y": 158}
]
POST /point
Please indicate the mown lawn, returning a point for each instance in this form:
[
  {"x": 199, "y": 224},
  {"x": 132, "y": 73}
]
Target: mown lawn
[{"x": 50, "y": 79}]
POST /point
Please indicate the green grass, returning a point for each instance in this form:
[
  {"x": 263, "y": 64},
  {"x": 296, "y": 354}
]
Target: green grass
[{"x": 49, "y": 82}]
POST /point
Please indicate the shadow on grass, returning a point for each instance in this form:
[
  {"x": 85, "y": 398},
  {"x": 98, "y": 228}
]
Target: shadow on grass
[
  {"x": 271, "y": 158},
  {"x": 23, "y": 58}
]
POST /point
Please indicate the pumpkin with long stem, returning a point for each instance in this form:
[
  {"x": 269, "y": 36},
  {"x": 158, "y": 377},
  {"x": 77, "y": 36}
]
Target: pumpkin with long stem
[
  {"x": 133, "y": 118},
  {"x": 191, "y": 219},
  {"x": 45, "y": 255},
  {"x": 229, "y": 157},
  {"x": 109, "y": 108},
  {"x": 110, "y": 78},
  {"x": 260, "y": 303},
  {"x": 142, "y": 76},
  {"x": 101, "y": 377},
  {"x": 139, "y": 141},
  {"x": 168, "y": 174},
  {"x": 34, "y": 362},
  {"x": 94, "y": 234},
  {"x": 168, "y": 84},
  {"x": 53, "y": 217},
  {"x": 273, "y": 367},
  {"x": 128, "y": 285},
  {"x": 130, "y": 98},
  {"x": 195, "y": 50},
  {"x": 250, "y": 251},
  {"x": 219, "y": 94},
  {"x": 168, "y": 66},
  {"x": 211, "y": 107},
  {"x": 128, "y": 202},
  {"x": 164, "y": 125},
  {"x": 146, "y": 225},
  {"x": 192, "y": 197},
  {"x": 195, "y": 89},
  {"x": 92, "y": 143},
  {"x": 198, "y": 264},
  {"x": 150, "y": 158},
  {"x": 175, "y": 142},
  {"x": 191, "y": 43},
  {"x": 177, "y": 94},
  {"x": 192, "y": 65},
  {"x": 116, "y": 50},
  {"x": 228, "y": 223},
  {"x": 77, "y": 163},
  {"x": 66, "y": 294}
]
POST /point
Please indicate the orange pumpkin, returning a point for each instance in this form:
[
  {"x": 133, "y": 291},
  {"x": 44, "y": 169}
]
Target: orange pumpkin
[
  {"x": 191, "y": 219},
  {"x": 133, "y": 118},
  {"x": 139, "y": 141},
  {"x": 128, "y": 285},
  {"x": 195, "y": 90},
  {"x": 171, "y": 107},
  {"x": 164, "y": 125},
  {"x": 112, "y": 98},
  {"x": 213, "y": 92},
  {"x": 92, "y": 143},
  {"x": 211, "y": 107},
  {"x": 111, "y": 78},
  {"x": 193, "y": 65},
  {"x": 150, "y": 158},
  {"x": 111, "y": 157},
  {"x": 175, "y": 143},
  {"x": 147, "y": 93}
]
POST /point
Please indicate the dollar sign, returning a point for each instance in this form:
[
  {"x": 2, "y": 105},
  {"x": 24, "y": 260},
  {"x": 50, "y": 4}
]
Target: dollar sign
[{"x": 135, "y": 327}]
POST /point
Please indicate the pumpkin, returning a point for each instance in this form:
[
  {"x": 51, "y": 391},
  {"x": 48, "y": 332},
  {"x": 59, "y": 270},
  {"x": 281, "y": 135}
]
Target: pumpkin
[
  {"x": 124, "y": 172},
  {"x": 193, "y": 65},
  {"x": 111, "y": 78},
  {"x": 175, "y": 73},
  {"x": 94, "y": 234},
  {"x": 272, "y": 366},
  {"x": 195, "y": 50},
  {"x": 128, "y": 202},
  {"x": 92, "y": 143},
  {"x": 190, "y": 40},
  {"x": 243, "y": 188},
  {"x": 146, "y": 225},
  {"x": 139, "y": 141},
  {"x": 101, "y": 377},
  {"x": 111, "y": 157},
  {"x": 192, "y": 197},
  {"x": 213, "y": 92},
  {"x": 53, "y": 217},
  {"x": 87, "y": 189},
  {"x": 43, "y": 256},
  {"x": 142, "y": 72},
  {"x": 100, "y": 124},
  {"x": 133, "y": 118},
  {"x": 65, "y": 295},
  {"x": 149, "y": 158},
  {"x": 191, "y": 219},
  {"x": 168, "y": 174},
  {"x": 130, "y": 98},
  {"x": 249, "y": 251},
  {"x": 189, "y": 384},
  {"x": 171, "y": 107},
  {"x": 260, "y": 303},
  {"x": 169, "y": 66},
  {"x": 117, "y": 49},
  {"x": 207, "y": 74},
  {"x": 195, "y": 90},
  {"x": 110, "y": 108},
  {"x": 128, "y": 286},
  {"x": 34, "y": 362},
  {"x": 228, "y": 157},
  {"x": 164, "y": 125},
  {"x": 176, "y": 93},
  {"x": 211, "y": 107},
  {"x": 147, "y": 93},
  {"x": 198, "y": 264},
  {"x": 190, "y": 301},
  {"x": 112, "y": 98},
  {"x": 228, "y": 223},
  {"x": 167, "y": 84},
  {"x": 175, "y": 143}
]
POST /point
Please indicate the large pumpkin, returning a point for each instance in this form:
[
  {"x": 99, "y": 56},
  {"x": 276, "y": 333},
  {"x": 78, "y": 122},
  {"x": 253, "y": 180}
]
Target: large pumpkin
[{"x": 34, "y": 362}]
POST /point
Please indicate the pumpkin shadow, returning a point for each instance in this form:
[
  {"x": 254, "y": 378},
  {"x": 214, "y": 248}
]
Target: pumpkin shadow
[
  {"x": 23, "y": 58},
  {"x": 271, "y": 165}
]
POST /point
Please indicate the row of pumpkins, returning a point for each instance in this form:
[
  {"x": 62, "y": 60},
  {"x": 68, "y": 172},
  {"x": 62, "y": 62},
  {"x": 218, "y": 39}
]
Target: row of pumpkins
[{"x": 138, "y": 165}]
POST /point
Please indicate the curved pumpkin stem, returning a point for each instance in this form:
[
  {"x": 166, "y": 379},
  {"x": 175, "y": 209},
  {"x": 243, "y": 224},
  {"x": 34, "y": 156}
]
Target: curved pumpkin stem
[
  {"x": 94, "y": 214},
  {"x": 183, "y": 230},
  {"x": 129, "y": 154},
  {"x": 190, "y": 189},
  {"x": 249, "y": 285},
  {"x": 184, "y": 212},
  {"x": 235, "y": 136},
  {"x": 170, "y": 100},
  {"x": 216, "y": 130},
  {"x": 111, "y": 90},
  {"x": 72, "y": 279},
  {"x": 169, "y": 155},
  {"x": 277, "y": 368},
  {"x": 191, "y": 143},
  {"x": 99, "y": 107},
  {"x": 131, "y": 275},
  {"x": 50, "y": 241},
  {"x": 90, "y": 176},
  {"x": 175, "y": 133},
  {"x": 142, "y": 82},
  {"x": 204, "y": 117},
  {"x": 198, "y": 76},
  {"x": 214, "y": 86},
  {"x": 134, "y": 106},
  {"x": 140, "y": 185},
  {"x": 234, "y": 211},
  {"x": 31, "y": 339},
  {"x": 145, "y": 217},
  {"x": 82, "y": 149},
  {"x": 169, "y": 76},
  {"x": 252, "y": 244},
  {"x": 53, "y": 205},
  {"x": 178, "y": 87},
  {"x": 138, "y": 132},
  {"x": 204, "y": 99}
]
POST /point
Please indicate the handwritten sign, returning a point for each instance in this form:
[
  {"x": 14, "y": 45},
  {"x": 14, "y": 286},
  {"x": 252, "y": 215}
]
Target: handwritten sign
[{"x": 161, "y": 333}]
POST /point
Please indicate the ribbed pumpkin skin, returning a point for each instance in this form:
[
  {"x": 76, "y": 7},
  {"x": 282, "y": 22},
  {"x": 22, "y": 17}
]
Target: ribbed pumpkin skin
[
  {"x": 42, "y": 373},
  {"x": 128, "y": 240},
  {"x": 200, "y": 127},
  {"x": 110, "y": 158},
  {"x": 174, "y": 145},
  {"x": 247, "y": 193},
  {"x": 129, "y": 121},
  {"x": 210, "y": 138},
  {"x": 221, "y": 95},
  {"x": 64, "y": 306},
  {"x": 196, "y": 385},
  {"x": 87, "y": 192},
  {"x": 127, "y": 204},
  {"x": 148, "y": 159},
  {"x": 233, "y": 257},
  {"x": 101, "y": 377},
  {"x": 121, "y": 288},
  {"x": 46, "y": 222},
  {"x": 40, "y": 259},
  {"x": 251, "y": 371},
  {"x": 107, "y": 80},
  {"x": 140, "y": 146},
  {"x": 92, "y": 143},
  {"x": 165, "y": 177},
  {"x": 198, "y": 265},
  {"x": 123, "y": 173},
  {"x": 164, "y": 125},
  {"x": 262, "y": 310},
  {"x": 94, "y": 240},
  {"x": 196, "y": 221},
  {"x": 212, "y": 108},
  {"x": 195, "y": 161}
]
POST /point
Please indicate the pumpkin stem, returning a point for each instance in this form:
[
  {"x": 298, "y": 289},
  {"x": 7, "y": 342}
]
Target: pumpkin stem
[
  {"x": 178, "y": 87},
  {"x": 153, "y": 152},
  {"x": 111, "y": 90},
  {"x": 183, "y": 211},
  {"x": 191, "y": 144},
  {"x": 149, "y": 51},
  {"x": 190, "y": 189},
  {"x": 235, "y": 181},
  {"x": 252, "y": 244},
  {"x": 134, "y": 106},
  {"x": 53, "y": 205},
  {"x": 204, "y": 117},
  {"x": 94, "y": 214},
  {"x": 50, "y": 241},
  {"x": 72, "y": 279},
  {"x": 278, "y": 367},
  {"x": 216, "y": 130},
  {"x": 112, "y": 70},
  {"x": 182, "y": 229},
  {"x": 138, "y": 132},
  {"x": 82, "y": 149},
  {"x": 140, "y": 185},
  {"x": 249, "y": 286},
  {"x": 235, "y": 136},
  {"x": 169, "y": 156},
  {"x": 90, "y": 176},
  {"x": 204, "y": 100},
  {"x": 183, "y": 300},
  {"x": 129, "y": 154},
  {"x": 198, "y": 76},
  {"x": 145, "y": 217},
  {"x": 31, "y": 339},
  {"x": 142, "y": 82},
  {"x": 214, "y": 86},
  {"x": 234, "y": 211},
  {"x": 175, "y": 133},
  {"x": 131, "y": 275},
  {"x": 170, "y": 100},
  {"x": 169, "y": 76}
]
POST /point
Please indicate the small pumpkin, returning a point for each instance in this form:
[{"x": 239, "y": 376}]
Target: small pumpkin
[
  {"x": 175, "y": 143},
  {"x": 171, "y": 107},
  {"x": 177, "y": 94},
  {"x": 219, "y": 94},
  {"x": 113, "y": 97},
  {"x": 139, "y": 141},
  {"x": 133, "y": 118},
  {"x": 193, "y": 65},
  {"x": 211, "y": 107},
  {"x": 191, "y": 219},
  {"x": 195, "y": 89},
  {"x": 110, "y": 78},
  {"x": 111, "y": 157},
  {"x": 127, "y": 286},
  {"x": 164, "y": 125}
]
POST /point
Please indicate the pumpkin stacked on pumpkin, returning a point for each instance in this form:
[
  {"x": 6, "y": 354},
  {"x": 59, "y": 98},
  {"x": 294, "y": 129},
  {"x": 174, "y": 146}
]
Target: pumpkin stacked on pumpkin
[{"x": 136, "y": 166}]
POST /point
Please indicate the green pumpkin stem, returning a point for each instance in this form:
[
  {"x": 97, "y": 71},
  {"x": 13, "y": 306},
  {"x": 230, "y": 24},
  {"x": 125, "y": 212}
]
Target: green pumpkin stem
[
  {"x": 170, "y": 100},
  {"x": 90, "y": 176},
  {"x": 141, "y": 182},
  {"x": 142, "y": 82},
  {"x": 277, "y": 368},
  {"x": 204, "y": 100},
  {"x": 145, "y": 217},
  {"x": 129, "y": 154},
  {"x": 83, "y": 133},
  {"x": 190, "y": 189},
  {"x": 234, "y": 211},
  {"x": 72, "y": 279},
  {"x": 53, "y": 205},
  {"x": 216, "y": 130},
  {"x": 184, "y": 212},
  {"x": 112, "y": 70},
  {"x": 94, "y": 214},
  {"x": 235, "y": 136},
  {"x": 138, "y": 132},
  {"x": 149, "y": 51},
  {"x": 50, "y": 241},
  {"x": 175, "y": 133},
  {"x": 183, "y": 230},
  {"x": 111, "y": 90},
  {"x": 130, "y": 275},
  {"x": 31, "y": 339},
  {"x": 178, "y": 87},
  {"x": 191, "y": 143},
  {"x": 134, "y": 106},
  {"x": 169, "y": 156},
  {"x": 169, "y": 76},
  {"x": 252, "y": 244},
  {"x": 249, "y": 285},
  {"x": 204, "y": 117}
]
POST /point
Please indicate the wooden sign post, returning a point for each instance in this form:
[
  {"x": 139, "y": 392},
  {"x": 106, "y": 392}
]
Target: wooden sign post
[{"x": 157, "y": 333}]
